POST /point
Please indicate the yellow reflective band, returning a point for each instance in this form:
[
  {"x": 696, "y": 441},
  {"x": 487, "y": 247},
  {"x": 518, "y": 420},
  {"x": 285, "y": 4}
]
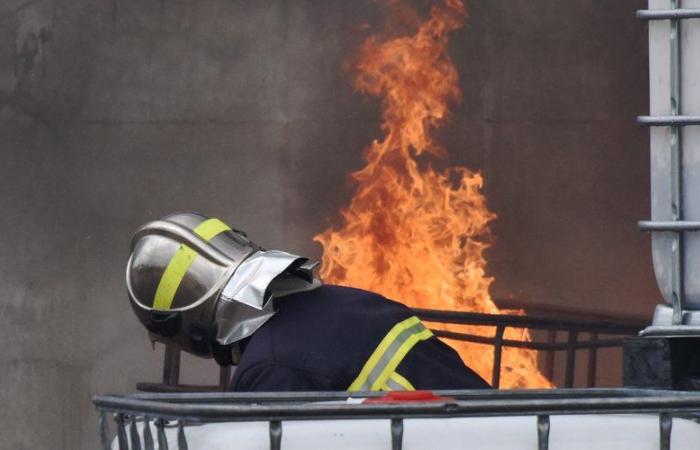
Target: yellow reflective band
[
  {"x": 389, "y": 353},
  {"x": 399, "y": 356},
  {"x": 379, "y": 352},
  {"x": 183, "y": 259},
  {"x": 401, "y": 381}
]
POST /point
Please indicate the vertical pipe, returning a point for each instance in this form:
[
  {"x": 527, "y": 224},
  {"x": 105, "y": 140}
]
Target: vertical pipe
[
  {"x": 121, "y": 432},
  {"x": 542, "y": 432},
  {"x": 549, "y": 359},
  {"x": 134, "y": 435},
  {"x": 171, "y": 366},
  {"x": 677, "y": 249},
  {"x": 665, "y": 425},
  {"x": 396, "y": 434},
  {"x": 104, "y": 431},
  {"x": 181, "y": 438},
  {"x": 497, "y": 352},
  {"x": 592, "y": 361},
  {"x": 224, "y": 377},
  {"x": 570, "y": 359},
  {"x": 275, "y": 435},
  {"x": 147, "y": 436},
  {"x": 162, "y": 439}
]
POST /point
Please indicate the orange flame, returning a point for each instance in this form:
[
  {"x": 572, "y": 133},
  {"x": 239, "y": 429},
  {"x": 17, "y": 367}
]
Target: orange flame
[{"x": 411, "y": 232}]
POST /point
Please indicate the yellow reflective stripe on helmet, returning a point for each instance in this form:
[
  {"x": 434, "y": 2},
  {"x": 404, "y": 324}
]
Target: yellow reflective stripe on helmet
[
  {"x": 389, "y": 353},
  {"x": 183, "y": 259}
]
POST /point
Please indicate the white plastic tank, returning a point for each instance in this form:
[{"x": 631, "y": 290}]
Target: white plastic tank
[{"x": 660, "y": 85}]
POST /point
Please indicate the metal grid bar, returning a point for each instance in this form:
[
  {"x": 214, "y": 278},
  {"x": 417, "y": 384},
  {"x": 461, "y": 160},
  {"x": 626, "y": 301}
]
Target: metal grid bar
[
  {"x": 677, "y": 262},
  {"x": 668, "y": 121},
  {"x": 665, "y": 426},
  {"x": 275, "y": 408},
  {"x": 678, "y": 225},
  {"x": 664, "y": 14},
  {"x": 676, "y": 121},
  {"x": 593, "y": 326},
  {"x": 592, "y": 362},
  {"x": 543, "y": 426},
  {"x": 540, "y": 322},
  {"x": 468, "y": 406},
  {"x": 570, "y": 359},
  {"x": 497, "y": 356}
]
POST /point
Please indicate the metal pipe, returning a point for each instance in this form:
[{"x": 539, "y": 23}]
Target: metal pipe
[
  {"x": 121, "y": 432},
  {"x": 297, "y": 397},
  {"x": 275, "y": 431},
  {"x": 477, "y": 407},
  {"x": 527, "y": 344},
  {"x": 543, "y": 426},
  {"x": 665, "y": 425},
  {"x": 171, "y": 365},
  {"x": 570, "y": 359},
  {"x": 592, "y": 362},
  {"x": 663, "y": 14},
  {"x": 396, "y": 434},
  {"x": 162, "y": 439},
  {"x": 549, "y": 360},
  {"x": 104, "y": 431},
  {"x": 181, "y": 438},
  {"x": 667, "y": 121},
  {"x": 134, "y": 435},
  {"x": 529, "y": 321},
  {"x": 497, "y": 353},
  {"x": 677, "y": 262},
  {"x": 147, "y": 436},
  {"x": 678, "y": 225}
]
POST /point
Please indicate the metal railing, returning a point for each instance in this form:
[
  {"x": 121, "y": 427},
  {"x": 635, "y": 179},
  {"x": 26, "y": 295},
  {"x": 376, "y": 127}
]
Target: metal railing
[
  {"x": 580, "y": 332},
  {"x": 276, "y": 408},
  {"x": 678, "y": 225}
]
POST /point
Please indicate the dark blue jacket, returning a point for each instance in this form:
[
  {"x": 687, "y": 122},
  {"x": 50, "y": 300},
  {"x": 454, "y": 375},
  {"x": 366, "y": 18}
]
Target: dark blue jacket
[{"x": 320, "y": 340}]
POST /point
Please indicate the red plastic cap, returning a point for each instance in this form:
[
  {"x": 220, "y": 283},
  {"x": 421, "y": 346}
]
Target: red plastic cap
[{"x": 408, "y": 397}]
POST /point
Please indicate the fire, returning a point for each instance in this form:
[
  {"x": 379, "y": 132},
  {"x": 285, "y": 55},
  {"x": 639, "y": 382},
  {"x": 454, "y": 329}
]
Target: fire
[{"x": 412, "y": 232}]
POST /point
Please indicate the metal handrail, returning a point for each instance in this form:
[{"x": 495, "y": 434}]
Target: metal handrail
[
  {"x": 572, "y": 328},
  {"x": 275, "y": 408}
]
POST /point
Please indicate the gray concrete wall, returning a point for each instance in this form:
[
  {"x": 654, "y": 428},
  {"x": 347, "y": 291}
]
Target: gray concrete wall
[{"x": 121, "y": 111}]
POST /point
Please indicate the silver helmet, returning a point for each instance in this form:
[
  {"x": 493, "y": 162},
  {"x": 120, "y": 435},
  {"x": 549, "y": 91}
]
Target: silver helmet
[{"x": 196, "y": 282}]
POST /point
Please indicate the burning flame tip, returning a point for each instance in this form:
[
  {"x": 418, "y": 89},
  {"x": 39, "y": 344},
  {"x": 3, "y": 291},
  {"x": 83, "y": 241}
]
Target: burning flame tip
[{"x": 411, "y": 232}]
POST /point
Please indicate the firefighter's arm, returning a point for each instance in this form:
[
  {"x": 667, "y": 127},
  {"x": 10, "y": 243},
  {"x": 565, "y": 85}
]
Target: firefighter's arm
[{"x": 278, "y": 377}]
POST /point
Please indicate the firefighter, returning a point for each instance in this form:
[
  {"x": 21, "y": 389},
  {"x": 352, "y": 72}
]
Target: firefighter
[{"x": 195, "y": 282}]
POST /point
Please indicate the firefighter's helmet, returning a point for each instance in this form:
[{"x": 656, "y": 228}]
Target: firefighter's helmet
[{"x": 196, "y": 282}]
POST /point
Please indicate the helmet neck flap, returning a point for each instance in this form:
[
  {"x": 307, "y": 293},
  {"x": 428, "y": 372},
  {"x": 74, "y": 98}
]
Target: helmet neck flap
[{"x": 246, "y": 302}]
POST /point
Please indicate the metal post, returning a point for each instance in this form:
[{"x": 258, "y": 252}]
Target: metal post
[
  {"x": 497, "y": 353},
  {"x": 104, "y": 431},
  {"x": 121, "y": 432},
  {"x": 181, "y": 438},
  {"x": 677, "y": 261},
  {"x": 171, "y": 366},
  {"x": 549, "y": 359},
  {"x": 147, "y": 436},
  {"x": 570, "y": 359},
  {"x": 665, "y": 425},
  {"x": 275, "y": 435},
  {"x": 224, "y": 377},
  {"x": 396, "y": 434},
  {"x": 592, "y": 361},
  {"x": 162, "y": 439},
  {"x": 542, "y": 432},
  {"x": 134, "y": 435}
]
